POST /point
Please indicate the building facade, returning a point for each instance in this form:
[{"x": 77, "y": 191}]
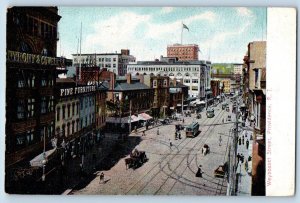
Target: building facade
[
  {"x": 114, "y": 62},
  {"x": 30, "y": 78},
  {"x": 254, "y": 73},
  {"x": 194, "y": 74},
  {"x": 184, "y": 52},
  {"x": 160, "y": 85},
  {"x": 67, "y": 111}
]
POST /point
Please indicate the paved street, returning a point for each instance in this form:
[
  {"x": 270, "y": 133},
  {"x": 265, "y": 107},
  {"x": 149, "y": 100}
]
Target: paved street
[{"x": 171, "y": 170}]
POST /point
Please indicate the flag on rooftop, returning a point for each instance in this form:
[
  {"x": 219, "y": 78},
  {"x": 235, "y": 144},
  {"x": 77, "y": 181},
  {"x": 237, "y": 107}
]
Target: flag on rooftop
[{"x": 185, "y": 27}]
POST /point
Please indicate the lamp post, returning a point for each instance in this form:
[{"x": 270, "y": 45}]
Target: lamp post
[
  {"x": 130, "y": 106},
  {"x": 44, "y": 161}
]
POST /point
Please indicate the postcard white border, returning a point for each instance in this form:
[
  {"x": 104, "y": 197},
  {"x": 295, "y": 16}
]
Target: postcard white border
[{"x": 281, "y": 101}]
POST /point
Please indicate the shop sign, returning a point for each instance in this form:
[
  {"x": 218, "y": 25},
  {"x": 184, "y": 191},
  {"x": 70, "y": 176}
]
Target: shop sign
[{"x": 26, "y": 58}]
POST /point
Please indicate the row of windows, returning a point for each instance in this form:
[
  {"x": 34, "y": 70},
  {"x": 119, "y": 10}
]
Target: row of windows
[
  {"x": 163, "y": 69},
  {"x": 29, "y": 137},
  {"x": 67, "y": 111},
  {"x": 28, "y": 80},
  {"x": 36, "y": 26},
  {"x": 26, "y": 107},
  {"x": 193, "y": 81}
]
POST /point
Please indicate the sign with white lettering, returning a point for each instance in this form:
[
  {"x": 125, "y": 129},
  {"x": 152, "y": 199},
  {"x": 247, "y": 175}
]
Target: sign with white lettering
[
  {"x": 76, "y": 90},
  {"x": 20, "y": 57}
]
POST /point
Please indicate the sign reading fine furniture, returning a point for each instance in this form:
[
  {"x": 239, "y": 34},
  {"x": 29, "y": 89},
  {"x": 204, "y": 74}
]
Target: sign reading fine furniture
[
  {"x": 77, "y": 90},
  {"x": 20, "y": 57}
]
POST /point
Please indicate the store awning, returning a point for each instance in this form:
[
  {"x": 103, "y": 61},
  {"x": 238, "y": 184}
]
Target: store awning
[
  {"x": 134, "y": 118},
  {"x": 144, "y": 117},
  {"x": 38, "y": 160}
]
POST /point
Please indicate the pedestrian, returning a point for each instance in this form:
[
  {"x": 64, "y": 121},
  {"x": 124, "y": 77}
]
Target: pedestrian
[
  {"x": 220, "y": 140},
  {"x": 242, "y": 158},
  {"x": 240, "y": 141},
  {"x": 183, "y": 120},
  {"x": 238, "y": 156},
  {"x": 243, "y": 140},
  {"x": 101, "y": 178},
  {"x": 157, "y": 131},
  {"x": 246, "y": 134},
  {"x": 171, "y": 144},
  {"x": 143, "y": 133},
  {"x": 175, "y": 135},
  {"x": 199, "y": 172},
  {"x": 247, "y": 144},
  {"x": 179, "y": 135}
]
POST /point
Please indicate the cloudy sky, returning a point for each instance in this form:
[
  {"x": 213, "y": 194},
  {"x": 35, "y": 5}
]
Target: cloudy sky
[{"x": 221, "y": 33}]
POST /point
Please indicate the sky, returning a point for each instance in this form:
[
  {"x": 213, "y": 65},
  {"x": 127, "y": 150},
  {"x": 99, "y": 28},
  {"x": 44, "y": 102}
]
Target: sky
[{"x": 222, "y": 33}]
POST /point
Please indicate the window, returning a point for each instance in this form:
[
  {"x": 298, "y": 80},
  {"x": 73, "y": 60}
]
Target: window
[
  {"x": 187, "y": 81},
  {"x": 57, "y": 113},
  {"x": 77, "y": 108},
  {"x": 154, "y": 83},
  {"x": 73, "y": 109},
  {"x": 51, "y": 104},
  {"x": 63, "y": 112},
  {"x": 68, "y": 129},
  {"x": 114, "y": 65},
  {"x": 81, "y": 103},
  {"x": 73, "y": 126},
  {"x": 43, "y": 105},
  {"x": 86, "y": 102},
  {"x": 69, "y": 110},
  {"x": 21, "y": 109},
  {"x": 165, "y": 83},
  {"x": 43, "y": 82},
  {"x": 30, "y": 107},
  {"x": 114, "y": 59},
  {"x": 194, "y": 80}
]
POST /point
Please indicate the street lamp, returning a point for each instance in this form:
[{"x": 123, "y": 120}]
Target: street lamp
[{"x": 130, "y": 104}]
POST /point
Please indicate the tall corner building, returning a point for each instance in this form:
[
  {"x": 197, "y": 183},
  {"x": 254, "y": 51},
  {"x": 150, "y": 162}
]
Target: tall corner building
[{"x": 184, "y": 52}]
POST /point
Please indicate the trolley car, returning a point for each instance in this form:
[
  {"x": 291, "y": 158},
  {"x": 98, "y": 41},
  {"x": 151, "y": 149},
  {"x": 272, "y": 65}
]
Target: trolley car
[
  {"x": 210, "y": 113},
  {"x": 192, "y": 129}
]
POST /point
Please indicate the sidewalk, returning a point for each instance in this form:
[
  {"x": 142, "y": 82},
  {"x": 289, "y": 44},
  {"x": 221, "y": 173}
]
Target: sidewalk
[{"x": 244, "y": 177}]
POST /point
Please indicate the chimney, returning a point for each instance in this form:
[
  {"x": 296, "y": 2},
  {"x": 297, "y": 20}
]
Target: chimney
[
  {"x": 125, "y": 52},
  {"x": 112, "y": 81},
  {"x": 128, "y": 78},
  {"x": 141, "y": 77}
]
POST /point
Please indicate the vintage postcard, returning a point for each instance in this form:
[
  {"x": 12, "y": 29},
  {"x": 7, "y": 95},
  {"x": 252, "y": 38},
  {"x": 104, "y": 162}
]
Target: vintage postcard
[{"x": 150, "y": 101}]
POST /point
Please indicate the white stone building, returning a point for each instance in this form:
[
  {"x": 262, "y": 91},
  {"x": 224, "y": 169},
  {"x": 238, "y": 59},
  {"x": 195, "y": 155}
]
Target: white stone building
[
  {"x": 195, "y": 74},
  {"x": 114, "y": 62}
]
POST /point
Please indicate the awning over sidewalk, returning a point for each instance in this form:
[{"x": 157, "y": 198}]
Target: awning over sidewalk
[
  {"x": 134, "y": 118},
  {"x": 144, "y": 117},
  {"x": 38, "y": 160}
]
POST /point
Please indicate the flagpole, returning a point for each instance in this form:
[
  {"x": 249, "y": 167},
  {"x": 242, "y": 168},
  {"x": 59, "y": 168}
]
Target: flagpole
[
  {"x": 181, "y": 32},
  {"x": 80, "y": 52}
]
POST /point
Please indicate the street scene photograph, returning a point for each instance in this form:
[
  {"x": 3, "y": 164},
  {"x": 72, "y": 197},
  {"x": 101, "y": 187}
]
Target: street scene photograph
[{"x": 136, "y": 101}]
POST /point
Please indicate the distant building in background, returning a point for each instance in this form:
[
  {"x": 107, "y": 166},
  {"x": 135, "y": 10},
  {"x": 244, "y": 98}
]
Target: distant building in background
[
  {"x": 114, "y": 62},
  {"x": 238, "y": 69},
  {"x": 194, "y": 74},
  {"x": 184, "y": 52}
]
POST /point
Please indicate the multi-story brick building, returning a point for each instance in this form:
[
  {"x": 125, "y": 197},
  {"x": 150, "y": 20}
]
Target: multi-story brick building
[
  {"x": 184, "y": 52},
  {"x": 178, "y": 94},
  {"x": 160, "y": 84},
  {"x": 30, "y": 80},
  {"x": 254, "y": 74}
]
